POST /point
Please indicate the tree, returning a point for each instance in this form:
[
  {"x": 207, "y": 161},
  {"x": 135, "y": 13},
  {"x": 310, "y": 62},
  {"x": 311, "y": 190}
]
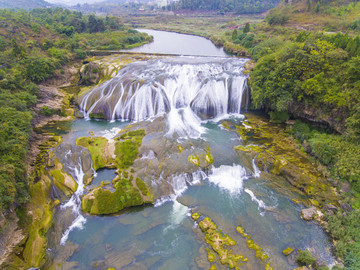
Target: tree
[
  {"x": 247, "y": 28},
  {"x": 234, "y": 34}
]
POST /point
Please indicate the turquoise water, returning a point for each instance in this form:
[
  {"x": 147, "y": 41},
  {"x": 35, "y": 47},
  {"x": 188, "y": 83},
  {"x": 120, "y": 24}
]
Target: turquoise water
[{"x": 165, "y": 237}]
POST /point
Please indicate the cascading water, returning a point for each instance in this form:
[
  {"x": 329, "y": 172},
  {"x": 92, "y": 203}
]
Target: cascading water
[
  {"x": 182, "y": 93},
  {"x": 75, "y": 203},
  {"x": 188, "y": 89}
]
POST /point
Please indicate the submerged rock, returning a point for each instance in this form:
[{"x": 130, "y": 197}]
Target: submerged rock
[{"x": 287, "y": 251}]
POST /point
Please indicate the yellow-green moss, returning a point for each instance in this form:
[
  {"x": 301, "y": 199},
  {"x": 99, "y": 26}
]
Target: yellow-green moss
[
  {"x": 219, "y": 243},
  {"x": 127, "y": 148},
  {"x": 40, "y": 207},
  {"x": 195, "y": 216},
  {"x": 211, "y": 256},
  {"x": 279, "y": 154},
  {"x": 287, "y": 251},
  {"x": 259, "y": 253},
  {"x": 96, "y": 147},
  {"x": 194, "y": 159},
  {"x": 102, "y": 201}
]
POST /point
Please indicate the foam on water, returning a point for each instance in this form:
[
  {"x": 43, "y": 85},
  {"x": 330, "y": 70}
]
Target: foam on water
[
  {"x": 189, "y": 90},
  {"x": 75, "y": 203},
  {"x": 257, "y": 172},
  {"x": 180, "y": 184},
  {"x": 261, "y": 204},
  {"x": 229, "y": 178}
]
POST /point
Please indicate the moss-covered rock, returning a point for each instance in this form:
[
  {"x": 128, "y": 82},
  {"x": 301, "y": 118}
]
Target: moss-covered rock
[
  {"x": 288, "y": 251},
  {"x": 259, "y": 253},
  {"x": 62, "y": 180},
  {"x": 195, "y": 216},
  {"x": 127, "y": 148},
  {"x": 276, "y": 152},
  {"x": 101, "y": 201},
  {"x": 97, "y": 147},
  {"x": 219, "y": 243},
  {"x": 41, "y": 210},
  {"x": 202, "y": 160}
]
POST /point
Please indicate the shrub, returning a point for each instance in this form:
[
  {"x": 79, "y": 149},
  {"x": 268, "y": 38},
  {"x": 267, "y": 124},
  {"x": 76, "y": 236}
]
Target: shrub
[
  {"x": 301, "y": 131},
  {"x": 279, "y": 117},
  {"x": 305, "y": 258}
]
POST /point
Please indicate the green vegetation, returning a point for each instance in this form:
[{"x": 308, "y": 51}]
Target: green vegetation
[
  {"x": 128, "y": 192},
  {"x": 344, "y": 228},
  {"x": 219, "y": 243},
  {"x": 102, "y": 201},
  {"x": 305, "y": 258},
  {"x": 237, "y": 6},
  {"x": 96, "y": 147},
  {"x": 314, "y": 75},
  {"x": 33, "y": 47},
  {"x": 126, "y": 151}
]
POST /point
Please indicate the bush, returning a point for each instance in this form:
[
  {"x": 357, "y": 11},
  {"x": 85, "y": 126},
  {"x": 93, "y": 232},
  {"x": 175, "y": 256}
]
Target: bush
[
  {"x": 305, "y": 258},
  {"x": 37, "y": 69},
  {"x": 278, "y": 16},
  {"x": 279, "y": 117},
  {"x": 301, "y": 131}
]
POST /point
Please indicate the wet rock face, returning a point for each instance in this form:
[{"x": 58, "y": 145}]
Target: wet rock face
[
  {"x": 89, "y": 74},
  {"x": 309, "y": 213},
  {"x": 143, "y": 90},
  {"x": 276, "y": 153}
]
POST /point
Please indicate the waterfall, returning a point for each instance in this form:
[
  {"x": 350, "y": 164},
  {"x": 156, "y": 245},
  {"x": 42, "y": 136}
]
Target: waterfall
[
  {"x": 75, "y": 203},
  {"x": 229, "y": 178},
  {"x": 194, "y": 88}
]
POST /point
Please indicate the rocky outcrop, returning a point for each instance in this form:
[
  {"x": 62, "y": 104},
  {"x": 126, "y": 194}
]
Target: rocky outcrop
[
  {"x": 334, "y": 119},
  {"x": 276, "y": 153},
  {"x": 308, "y": 213},
  {"x": 89, "y": 74}
]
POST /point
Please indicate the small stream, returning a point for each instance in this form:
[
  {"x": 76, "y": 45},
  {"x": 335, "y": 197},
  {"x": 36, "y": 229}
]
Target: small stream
[{"x": 232, "y": 192}]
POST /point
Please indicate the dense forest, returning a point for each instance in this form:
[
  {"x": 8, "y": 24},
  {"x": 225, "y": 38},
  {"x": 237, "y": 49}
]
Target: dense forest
[
  {"x": 34, "y": 46},
  {"x": 237, "y": 6}
]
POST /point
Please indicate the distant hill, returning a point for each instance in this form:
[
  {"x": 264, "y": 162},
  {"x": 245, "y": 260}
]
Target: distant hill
[
  {"x": 25, "y": 4},
  {"x": 237, "y": 6}
]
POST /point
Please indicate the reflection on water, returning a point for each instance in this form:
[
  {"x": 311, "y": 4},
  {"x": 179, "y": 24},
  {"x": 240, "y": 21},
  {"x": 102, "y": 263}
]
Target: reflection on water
[{"x": 181, "y": 44}]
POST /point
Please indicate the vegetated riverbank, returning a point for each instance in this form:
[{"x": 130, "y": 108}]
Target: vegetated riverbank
[
  {"x": 36, "y": 62},
  {"x": 24, "y": 233}
]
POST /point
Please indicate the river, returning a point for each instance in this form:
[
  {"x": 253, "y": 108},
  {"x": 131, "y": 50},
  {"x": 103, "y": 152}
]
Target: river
[{"x": 182, "y": 103}]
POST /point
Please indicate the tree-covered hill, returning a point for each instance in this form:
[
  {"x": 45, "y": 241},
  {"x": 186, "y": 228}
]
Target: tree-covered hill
[
  {"x": 25, "y": 4},
  {"x": 237, "y": 6}
]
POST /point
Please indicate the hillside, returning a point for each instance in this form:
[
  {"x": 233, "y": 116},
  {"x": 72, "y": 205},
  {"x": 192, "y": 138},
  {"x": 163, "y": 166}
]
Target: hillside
[
  {"x": 25, "y": 4},
  {"x": 236, "y": 6},
  {"x": 31, "y": 53}
]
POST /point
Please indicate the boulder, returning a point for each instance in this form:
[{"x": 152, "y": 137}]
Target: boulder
[
  {"x": 330, "y": 209},
  {"x": 288, "y": 251},
  {"x": 308, "y": 213}
]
